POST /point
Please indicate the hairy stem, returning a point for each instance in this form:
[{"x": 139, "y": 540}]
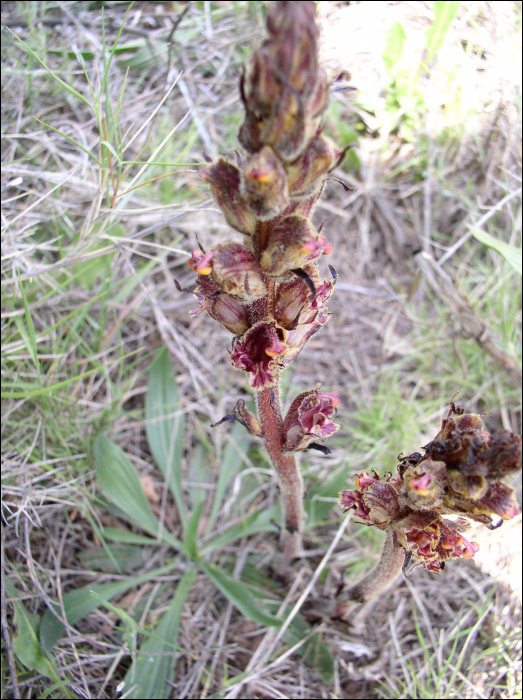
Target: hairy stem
[
  {"x": 385, "y": 571},
  {"x": 287, "y": 469}
]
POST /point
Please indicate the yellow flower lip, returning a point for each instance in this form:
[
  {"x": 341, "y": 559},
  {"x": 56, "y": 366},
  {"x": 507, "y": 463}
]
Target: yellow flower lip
[
  {"x": 204, "y": 270},
  {"x": 420, "y": 485},
  {"x": 275, "y": 353},
  {"x": 259, "y": 175}
]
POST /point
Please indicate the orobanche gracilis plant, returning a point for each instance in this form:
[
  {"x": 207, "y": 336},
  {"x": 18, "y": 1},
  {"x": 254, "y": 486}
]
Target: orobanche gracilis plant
[{"x": 268, "y": 293}]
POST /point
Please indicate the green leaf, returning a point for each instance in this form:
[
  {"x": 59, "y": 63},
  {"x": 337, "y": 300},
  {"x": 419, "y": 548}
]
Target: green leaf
[
  {"x": 61, "y": 82},
  {"x": 25, "y": 640},
  {"x": 233, "y": 455},
  {"x": 166, "y": 426},
  {"x": 394, "y": 45},
  {"x": 239, "y": 595},
  {"x": 258, "y": 521},
  {"x": 190, "y": 543},
  {"x": 154, "y": 665},
  {"x": 317, "y": 509},
  {"x": 199, "y": 475},
  {"x": 79, "y": 603},
  {"x": 444, "y": 13},
  {"x": 511, "y": 254},
  {"x": 119, "y": 481}
]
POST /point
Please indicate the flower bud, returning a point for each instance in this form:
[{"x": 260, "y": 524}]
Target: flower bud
[
  {"x": 224, "y": 180},
  {"x": 283, "y": 89},
  {"x": 258, "y": 351},
  {"x": 292, "y": 297},
  {"x": 309, "y": 419},
  {"x": 264, "y": 184},
  {"x": 237, "y": 272},
  {"x": 298, "y": 337}
]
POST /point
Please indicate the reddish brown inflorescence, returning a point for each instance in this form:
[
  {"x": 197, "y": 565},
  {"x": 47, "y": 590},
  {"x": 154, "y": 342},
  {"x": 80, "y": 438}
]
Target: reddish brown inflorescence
[
  {"x": 267, "y": 290},
  {"x": 460, "y": 473}
]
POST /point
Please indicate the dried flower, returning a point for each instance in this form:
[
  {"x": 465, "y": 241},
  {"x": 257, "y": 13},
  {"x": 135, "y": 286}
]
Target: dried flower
[{"x": 464, "y": 480}]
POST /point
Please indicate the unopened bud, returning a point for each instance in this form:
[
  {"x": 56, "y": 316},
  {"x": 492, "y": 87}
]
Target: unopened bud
[{"x": 307, "y": 172}]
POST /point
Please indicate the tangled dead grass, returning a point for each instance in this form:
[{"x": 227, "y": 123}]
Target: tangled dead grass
[{"x": 390, "y": 336}]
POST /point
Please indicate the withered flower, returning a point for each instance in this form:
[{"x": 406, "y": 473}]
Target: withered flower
[{"x": 459, "y": 474}]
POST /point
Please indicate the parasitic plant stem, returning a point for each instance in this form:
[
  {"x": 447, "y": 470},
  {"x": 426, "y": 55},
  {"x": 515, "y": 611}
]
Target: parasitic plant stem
[{"x": 287, "y": 469}]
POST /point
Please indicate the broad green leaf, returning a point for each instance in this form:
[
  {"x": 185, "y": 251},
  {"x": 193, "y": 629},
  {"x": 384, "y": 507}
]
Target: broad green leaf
[
  {"x": 318, "y": 509},
  {"x": 238, "y": 445},
  {"x": 258, "y": 521},
  {"x": 25, "y": 640},
  {"x": 511, "y": 254},
  {"x": 239, "y": 595},
  {"x": 119, "y": 481},
  {"x": 166, "y": 426},
  {"x": 190, "y": 544},
  {"x": 154, "y": 666},
  {"x": 394, "y": 45},
  {"x": 79, "y": 603},
  {"x": 444, "y": 13},
  {"x": 199, "y": 475}
]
